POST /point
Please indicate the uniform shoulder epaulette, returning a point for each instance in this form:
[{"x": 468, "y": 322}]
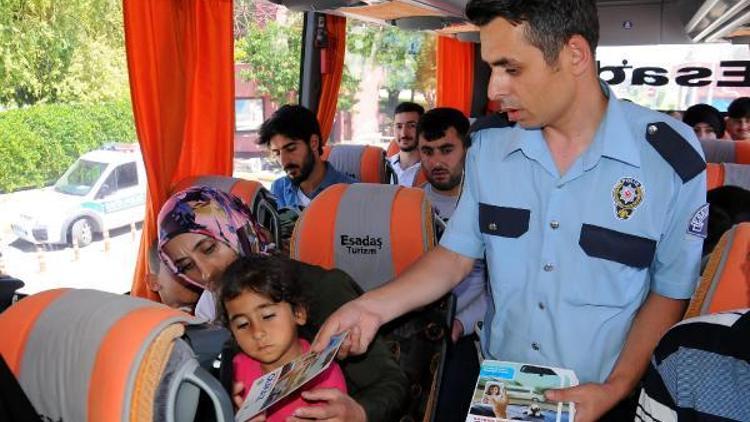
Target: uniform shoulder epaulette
[
  {"x": 675, "y": 150},
  {"x": 495, "y": 120}
]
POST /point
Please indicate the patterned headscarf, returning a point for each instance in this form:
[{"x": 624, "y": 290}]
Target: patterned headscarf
[{"x": 213, "y": 213}]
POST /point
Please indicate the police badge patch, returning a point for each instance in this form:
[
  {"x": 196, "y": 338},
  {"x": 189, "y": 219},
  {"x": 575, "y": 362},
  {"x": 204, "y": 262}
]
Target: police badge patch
[
  {"x": 627, "y": 194},
  {"x": 698, "y": 222}
]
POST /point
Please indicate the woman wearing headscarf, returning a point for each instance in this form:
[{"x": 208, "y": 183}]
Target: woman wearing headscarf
[{"x": 203, "y": 230}]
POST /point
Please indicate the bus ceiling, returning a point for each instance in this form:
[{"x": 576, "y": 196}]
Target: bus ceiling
[{"x": 623, "y": 22}]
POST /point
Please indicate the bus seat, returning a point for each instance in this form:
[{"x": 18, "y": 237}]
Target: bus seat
[
  {"x": 725, "y": 283},
  {"x": 393, "y": 148},
  {"x": 250, "y": 191},
  {"x": 420, "y": 179},
  {"x": 726, "y": 151},
  {"x": 260, "y": 201},
  {"x": 737, "y": 175},
  {"x": 374, "y": 232},
  {"x": 714, "y": 175},
  {"x": 86, "y": 355},
  {"x": 366, "y": 163},
  {"x": 727, "y": 174}
]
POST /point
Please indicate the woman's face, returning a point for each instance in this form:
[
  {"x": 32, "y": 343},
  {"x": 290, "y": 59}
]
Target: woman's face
[
  {"x": 494, "y": 390},
  {"x": 200, "y": 258}
]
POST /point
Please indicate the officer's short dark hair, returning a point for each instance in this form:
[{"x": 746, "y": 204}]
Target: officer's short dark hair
[
  {"x": 409, "y": 107},
  {"x": 549, "y": 23},
  {"x": 739, "y": 108},
  {"x": 704, "y": 113},
  {"x": 294, "y": 122},
  {"x": 433, "y": 124}
]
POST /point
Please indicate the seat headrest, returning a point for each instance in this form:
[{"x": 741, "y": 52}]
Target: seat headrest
[
  {"x": 78, "y": 354},
  {"x": 371, "y": 231},
  {"x": 366, "y": 163},
  {"x": 736, "y": 175},
  {"x": 247, "y": 190},
  {"x": 714, "y": 175},
  {"x": 725, "y": 284},
  {"x": 392, "y": 148},
  {"x": 726, "y": 151}
]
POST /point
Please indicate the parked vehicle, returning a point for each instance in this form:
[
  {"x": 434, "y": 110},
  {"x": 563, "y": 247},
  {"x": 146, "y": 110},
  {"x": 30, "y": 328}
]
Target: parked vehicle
[{"x": 103, "y": 189}]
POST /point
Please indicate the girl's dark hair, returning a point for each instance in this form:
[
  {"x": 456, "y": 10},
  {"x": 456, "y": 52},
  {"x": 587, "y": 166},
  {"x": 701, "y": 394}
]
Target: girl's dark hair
[{"x": 272, "y": 276}]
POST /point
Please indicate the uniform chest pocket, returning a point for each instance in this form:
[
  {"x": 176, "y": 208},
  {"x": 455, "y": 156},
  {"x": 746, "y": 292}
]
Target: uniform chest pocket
[
  {"x": 627, "y": 249},
  {"x": 503, "y": 221}
]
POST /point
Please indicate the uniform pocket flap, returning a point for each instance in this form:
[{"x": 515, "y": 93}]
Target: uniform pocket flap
[
  {"x": 503, "y": 221},
  {"x": 600, "y": 242}
]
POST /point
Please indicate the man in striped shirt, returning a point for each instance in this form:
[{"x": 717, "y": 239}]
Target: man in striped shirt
[{"x": 700, "y": 371}]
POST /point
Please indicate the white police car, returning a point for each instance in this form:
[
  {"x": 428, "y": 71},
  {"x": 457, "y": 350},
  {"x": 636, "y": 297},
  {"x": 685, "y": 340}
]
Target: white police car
[{"x": 105, "y": 188}]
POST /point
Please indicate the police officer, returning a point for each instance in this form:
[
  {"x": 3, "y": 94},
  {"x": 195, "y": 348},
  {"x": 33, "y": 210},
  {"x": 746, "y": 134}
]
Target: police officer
[{"x": 590, "y": 210}]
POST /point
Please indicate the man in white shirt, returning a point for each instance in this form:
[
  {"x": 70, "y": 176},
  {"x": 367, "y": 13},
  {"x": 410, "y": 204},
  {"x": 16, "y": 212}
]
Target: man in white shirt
[{"x": 406, "y": 162}]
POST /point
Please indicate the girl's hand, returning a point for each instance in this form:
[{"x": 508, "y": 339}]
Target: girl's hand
[{"x": 237, "y": 398}]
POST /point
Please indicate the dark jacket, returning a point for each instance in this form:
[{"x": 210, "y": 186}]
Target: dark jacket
[{"x": 374, "y": 379}]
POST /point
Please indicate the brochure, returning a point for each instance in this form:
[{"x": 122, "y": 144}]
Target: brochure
[
  {"x": 281, "y": 382},
  {"x": 515, "y": 391}
]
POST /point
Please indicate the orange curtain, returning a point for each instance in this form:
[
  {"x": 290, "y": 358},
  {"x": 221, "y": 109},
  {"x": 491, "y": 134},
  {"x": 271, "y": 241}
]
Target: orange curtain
[
  {"x": 331, "y": 80},
  {"x": 455, "y": 74},
  {"x": 181, "y": 67}
]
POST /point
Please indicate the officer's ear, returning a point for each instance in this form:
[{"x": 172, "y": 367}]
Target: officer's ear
[
  {"x": 315, "y": 144},
  {"x": 578, "y": 55}
]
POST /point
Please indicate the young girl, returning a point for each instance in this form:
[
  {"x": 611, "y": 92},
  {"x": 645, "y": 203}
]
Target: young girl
[{"x": 261, "y": 303}]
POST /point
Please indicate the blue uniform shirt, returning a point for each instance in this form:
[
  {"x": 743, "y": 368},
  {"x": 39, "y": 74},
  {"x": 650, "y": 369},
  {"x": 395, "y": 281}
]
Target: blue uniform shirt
[
  {"x": 286, "y": 192},
  {"x": 571, "y": 258}
]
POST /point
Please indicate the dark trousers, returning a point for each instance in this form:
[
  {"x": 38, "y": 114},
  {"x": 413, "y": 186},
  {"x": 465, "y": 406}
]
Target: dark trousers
[{"x": 459, "y": 378}]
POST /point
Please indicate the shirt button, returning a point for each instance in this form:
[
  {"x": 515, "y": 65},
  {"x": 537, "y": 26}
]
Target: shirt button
[
  {"x": 548, "y": 267},
  {"x": 535, "y": 346},
  {"x": 492, "y": 227},
  {"x": 554, "y": 224},
  {"x": 541, "y": 305}
]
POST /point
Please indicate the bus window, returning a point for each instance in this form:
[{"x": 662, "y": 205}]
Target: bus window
[
  {"x": 674, "y": 77},
  {"x": 268, "y": 49},
  {"x": 72, "y": 182},
  {"x": 384, "y": 65}
]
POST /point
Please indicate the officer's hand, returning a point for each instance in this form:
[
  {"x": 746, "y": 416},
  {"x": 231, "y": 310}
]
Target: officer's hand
[
  {"x": 354, "y": 317},
  {"x": 592, "y": 400},
  {"x": 333, "y": 406}
]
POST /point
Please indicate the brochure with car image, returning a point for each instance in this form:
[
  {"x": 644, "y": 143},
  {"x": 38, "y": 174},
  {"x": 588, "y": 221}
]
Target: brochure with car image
[
  {"x": 279, "y": 383},
  {"x": 508, "y": 391}
]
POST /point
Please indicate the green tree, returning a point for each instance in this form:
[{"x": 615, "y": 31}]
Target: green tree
[
  {"x": 397, "y": 51},
  {"x": 53, "y": 51},
  {"x": 273, "y": 52}
]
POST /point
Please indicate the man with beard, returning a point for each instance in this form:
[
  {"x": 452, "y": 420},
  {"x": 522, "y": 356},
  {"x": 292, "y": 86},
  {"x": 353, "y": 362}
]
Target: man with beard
[
  {"x": 443, "y": 143},
  {"x": 406, "y": 162},
  {"x": 293, "y": 136}
]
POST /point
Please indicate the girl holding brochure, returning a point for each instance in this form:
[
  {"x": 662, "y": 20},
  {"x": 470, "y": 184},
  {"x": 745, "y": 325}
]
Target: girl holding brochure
[
  {"x": 203, "y": 230},
  {"x": 261, "y": 302}
]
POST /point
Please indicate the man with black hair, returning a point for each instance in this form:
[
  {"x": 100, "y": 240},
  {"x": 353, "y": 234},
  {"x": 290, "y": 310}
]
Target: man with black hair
[
  {"x": 738, "y": 119},
  {"x": 588, "y": 211},
  {"x": 293, "y": 136},
  {"x": 405, "y": 163},
  {"x": 705, "y": 120},
  {"x": 443, "y": 142}
]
